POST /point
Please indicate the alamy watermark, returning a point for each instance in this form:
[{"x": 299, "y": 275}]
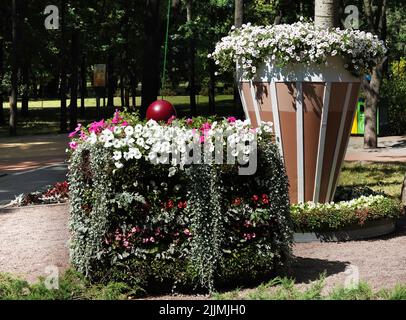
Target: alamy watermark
[{"x": 52, "y": 20}]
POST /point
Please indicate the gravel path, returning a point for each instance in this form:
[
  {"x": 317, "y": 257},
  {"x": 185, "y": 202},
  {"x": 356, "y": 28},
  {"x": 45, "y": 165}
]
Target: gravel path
[
  {"x": 380, "y": 262},
  {"x": 33, "y": 239}
]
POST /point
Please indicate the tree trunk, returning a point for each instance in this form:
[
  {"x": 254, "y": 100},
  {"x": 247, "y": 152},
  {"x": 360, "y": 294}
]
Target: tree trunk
[
  {"x": 26, "y": 89},
  {"x": 133, "y": 83},
  {"x": 403, "y": 194},
  {"x": 111, "y": 80},
  {"x": 2, "y": 120},
  {"x": 371, "y": 90},
  {"x": 239, "y": 13},
  {"x": 238, "y": 21},
  {"x": 212, "y": 87},
  {"x": 83, "y": 85},
  {"x": 152, "y": 55},
  {"x": 62, "y": 91},
  {"x": 376, "y": 24},
  {"x": 14, "y": 70},
  {"x": 122, "y": 91},
  {"x": 73, "y": 109},
  {"x": 325, "y": 13},
  {"x": 192, "y": 60}
]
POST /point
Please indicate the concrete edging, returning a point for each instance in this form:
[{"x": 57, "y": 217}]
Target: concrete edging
[{"x": 371, "y": 229}]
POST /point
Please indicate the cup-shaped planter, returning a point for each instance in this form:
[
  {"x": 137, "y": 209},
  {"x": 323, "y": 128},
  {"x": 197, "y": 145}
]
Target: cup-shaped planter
[{"x": 312, "y": 108}]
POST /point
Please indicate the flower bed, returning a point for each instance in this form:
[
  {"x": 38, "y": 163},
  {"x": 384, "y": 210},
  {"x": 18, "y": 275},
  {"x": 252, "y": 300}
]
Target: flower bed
[
  {"x": 295, "y": 43},
  {"x": 58, "y": 193},
  {"x": 318, "y": 217},
  {"x": 161, "y": 222}
]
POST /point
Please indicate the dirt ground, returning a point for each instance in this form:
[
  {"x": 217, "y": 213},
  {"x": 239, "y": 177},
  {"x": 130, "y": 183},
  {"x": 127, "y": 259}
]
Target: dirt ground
[
  {"x": 380, "y": 262},
  {"x": 32, "y": 239}
]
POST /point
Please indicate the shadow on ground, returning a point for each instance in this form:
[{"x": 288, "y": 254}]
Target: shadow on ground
[{"x": 305, "y": 270}]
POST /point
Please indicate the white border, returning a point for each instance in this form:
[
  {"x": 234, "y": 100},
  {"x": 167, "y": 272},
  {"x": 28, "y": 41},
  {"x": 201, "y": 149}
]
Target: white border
[
  {"x": 322, "y": 141},
  {"x": 332, "y": 189},
  {"x": 255, "y": 103},
  {"x": 276, "y": 118},
  {"x": 300, "y": 142}
]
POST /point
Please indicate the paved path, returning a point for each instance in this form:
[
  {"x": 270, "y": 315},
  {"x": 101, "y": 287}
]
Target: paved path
[
  {"x": 14, "y": 184},
  {"x": 390, "y": 149},
  {"x": 34, "y": 241},
  {"x": 25, "y": 153},
  {"x": 28, "y": 164}
]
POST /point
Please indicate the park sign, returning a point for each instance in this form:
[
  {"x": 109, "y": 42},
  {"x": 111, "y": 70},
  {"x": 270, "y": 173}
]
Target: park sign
[
  {"x": 99, "y": 75},
  {"x": 306, "y": 80}
]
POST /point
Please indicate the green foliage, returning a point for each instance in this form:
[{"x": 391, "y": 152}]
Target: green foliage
[
  {"x": 72, "y": 286},
  {"x": 394, "y": 97},
  {"x": 287, "y": 289},
  {"x": 322, "y": 217}
]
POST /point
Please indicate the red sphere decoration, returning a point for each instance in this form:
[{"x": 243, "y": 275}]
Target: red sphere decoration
[{"x": 161, "y": 110}]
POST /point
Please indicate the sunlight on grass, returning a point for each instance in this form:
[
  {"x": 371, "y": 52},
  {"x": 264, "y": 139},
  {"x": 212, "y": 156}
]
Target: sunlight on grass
[
  {"x": 386, "y": 177},
  {"x": 287, "y": 289}
]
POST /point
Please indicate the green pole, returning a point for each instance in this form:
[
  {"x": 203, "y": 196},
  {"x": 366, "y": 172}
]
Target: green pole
[{"x": 168, "y": 16}]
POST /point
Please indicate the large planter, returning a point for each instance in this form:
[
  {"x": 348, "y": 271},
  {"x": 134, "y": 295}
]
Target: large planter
[{"x": 312, "y": 108}]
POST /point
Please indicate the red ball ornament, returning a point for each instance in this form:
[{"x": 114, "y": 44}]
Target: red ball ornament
[{"x": 161, "y": 110}]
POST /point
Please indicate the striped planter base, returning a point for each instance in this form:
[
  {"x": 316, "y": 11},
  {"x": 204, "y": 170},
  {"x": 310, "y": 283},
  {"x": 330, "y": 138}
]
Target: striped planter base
[{"x": 312, "y": 108}]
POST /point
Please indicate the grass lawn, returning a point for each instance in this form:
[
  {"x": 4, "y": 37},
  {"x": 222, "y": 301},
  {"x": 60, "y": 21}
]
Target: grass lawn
[
  {"x": 386, "y": 177},
  {"x": 44, "y": 116},
  {"x": 73, "y": 286}
]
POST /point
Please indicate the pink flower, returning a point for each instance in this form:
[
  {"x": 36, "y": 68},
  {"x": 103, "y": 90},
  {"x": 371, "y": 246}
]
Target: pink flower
[
  {"x": 124, "y": 124},
  {"x": 135, "y": 230},
  {"x": 73, "y": 145},
  {"x": 96, "y": 127},
  {"x": 202, "y": 139},
  {"x": 231, "y": 119},
  {"x": 187, "y": 232},
  {"x": 83, "y": 136},
  {"x": 189, "y": 121},
  {"x": 171, "y": 119},
  {"x": 72, "y": 134},
  {"x": 206, "y": 127},
  {"x": 117, "y": 118}
]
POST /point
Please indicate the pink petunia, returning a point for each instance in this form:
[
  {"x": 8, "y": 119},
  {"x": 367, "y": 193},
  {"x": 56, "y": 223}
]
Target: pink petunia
[
  {"x": 73, "y": 145},
  {"x": 171, "y": 119},
  {"x": 231, "y": 119},
  {"x": 78, "y": 128},
  {"x": 97, "y": 127},
  {"x": 189, "y": 121}
]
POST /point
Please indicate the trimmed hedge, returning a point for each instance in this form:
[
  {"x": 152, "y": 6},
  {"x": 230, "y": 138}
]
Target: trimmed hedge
[
  {"x": 311, "y": 217},
  {"x": 199, "y": 228}
]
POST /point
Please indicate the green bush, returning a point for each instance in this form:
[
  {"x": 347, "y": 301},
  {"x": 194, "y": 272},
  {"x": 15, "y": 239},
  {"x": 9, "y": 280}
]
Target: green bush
[
  {"x": 311, "y": 217},
  {"x": 199, "y": 228}
]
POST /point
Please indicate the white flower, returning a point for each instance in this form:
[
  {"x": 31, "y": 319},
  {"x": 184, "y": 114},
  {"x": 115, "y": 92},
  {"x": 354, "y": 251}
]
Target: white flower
[
  {"x": 129, "y": 131},
  {"x": 172, "y": 172},
  {"x": 92, "y": 138},
  {"x": 117, "y": 155},
  {"x": 119, "y": 165}
]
